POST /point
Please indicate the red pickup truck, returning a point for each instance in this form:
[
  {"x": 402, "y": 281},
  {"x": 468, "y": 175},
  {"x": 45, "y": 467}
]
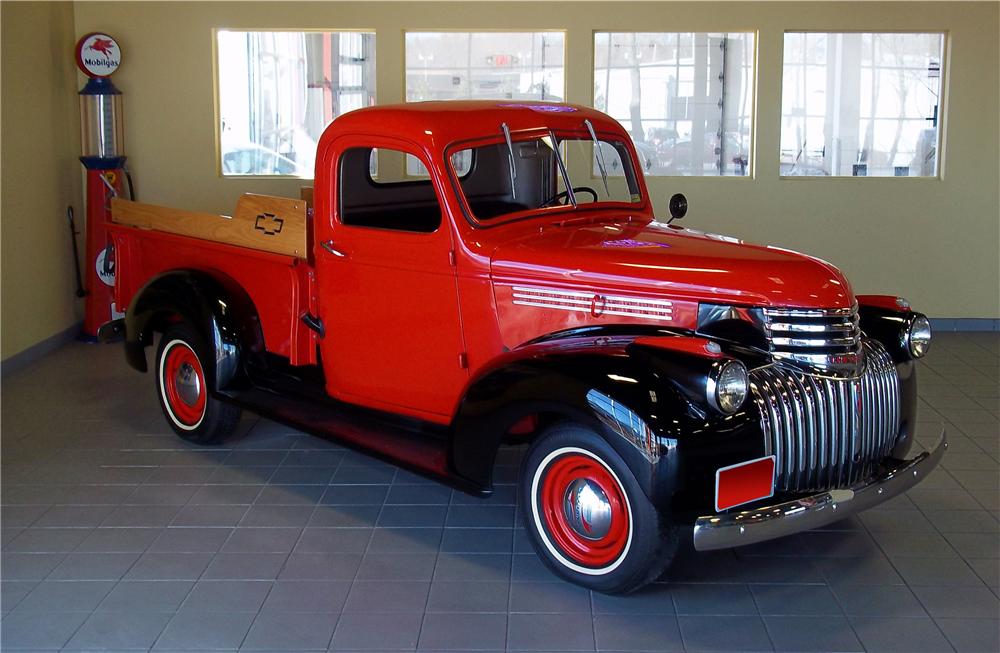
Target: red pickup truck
[{"x": 474, "y": 274}]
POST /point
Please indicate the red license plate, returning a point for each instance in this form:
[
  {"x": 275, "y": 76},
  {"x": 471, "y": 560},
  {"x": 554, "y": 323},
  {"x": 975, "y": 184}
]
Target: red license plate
[{"x": 744, "y": 482}]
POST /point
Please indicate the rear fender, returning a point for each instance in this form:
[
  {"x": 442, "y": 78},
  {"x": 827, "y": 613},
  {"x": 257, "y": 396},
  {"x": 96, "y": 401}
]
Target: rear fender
[{"x": 215, "y": 305}]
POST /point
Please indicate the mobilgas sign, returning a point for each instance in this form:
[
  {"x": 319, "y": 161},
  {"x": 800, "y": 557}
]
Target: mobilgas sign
[{"x": 98, "y": 55}]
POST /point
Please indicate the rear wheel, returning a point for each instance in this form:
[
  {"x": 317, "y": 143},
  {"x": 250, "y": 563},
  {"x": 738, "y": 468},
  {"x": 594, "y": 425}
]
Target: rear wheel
[
  {"x": 586, "y": 515},
  {"x": 183, "y": 389}
]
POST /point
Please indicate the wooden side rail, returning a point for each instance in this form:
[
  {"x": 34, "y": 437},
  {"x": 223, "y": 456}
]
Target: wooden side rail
[{"x": 261, "y": 222}]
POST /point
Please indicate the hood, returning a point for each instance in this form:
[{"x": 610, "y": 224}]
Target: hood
[{"x": 670, "y": 261}]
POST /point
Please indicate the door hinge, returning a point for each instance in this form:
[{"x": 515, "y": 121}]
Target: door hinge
[
  {"x": 451, "y": 258},
  {"x": 463, "y": 361},
  {"x": 314, "y": 323}
]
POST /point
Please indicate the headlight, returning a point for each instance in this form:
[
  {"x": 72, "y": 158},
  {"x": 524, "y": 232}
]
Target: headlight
[
  {"x": 917, "y": 337},
  {"x": 727, "y": 387}
]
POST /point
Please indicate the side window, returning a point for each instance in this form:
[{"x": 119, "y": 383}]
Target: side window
[{"x": 375, "y": 192}]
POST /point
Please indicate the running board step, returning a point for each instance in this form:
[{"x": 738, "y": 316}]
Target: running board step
[{"x": 423, "y": 453}]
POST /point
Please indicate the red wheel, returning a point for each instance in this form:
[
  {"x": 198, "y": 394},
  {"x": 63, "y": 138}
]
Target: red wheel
[
  {"x": 182, "y": 384},
  {"x": 586, "y": 515},
  {"x": 584, "y": 507},
  {"x": 184, "y": 388}
]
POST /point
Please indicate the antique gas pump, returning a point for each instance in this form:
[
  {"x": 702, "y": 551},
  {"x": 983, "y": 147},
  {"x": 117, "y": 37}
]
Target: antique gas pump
[{"x": 98, "y": 56}]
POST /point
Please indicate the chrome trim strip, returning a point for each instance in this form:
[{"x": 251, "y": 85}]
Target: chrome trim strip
[
  {"x": 767, "y": 523},
  {"x": 571, "y": 300}
]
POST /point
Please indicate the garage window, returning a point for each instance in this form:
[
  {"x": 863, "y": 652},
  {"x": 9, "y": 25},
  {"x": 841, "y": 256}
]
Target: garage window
[
  {"x": 685, "y": 98},
  {"x": 279, "y": 90},
  {"x": 483, "y": 66},
  {"x": 861, "y": 104}
]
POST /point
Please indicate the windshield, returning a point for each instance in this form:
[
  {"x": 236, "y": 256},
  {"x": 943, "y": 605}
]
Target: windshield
[{"x": 514, "y": 176}]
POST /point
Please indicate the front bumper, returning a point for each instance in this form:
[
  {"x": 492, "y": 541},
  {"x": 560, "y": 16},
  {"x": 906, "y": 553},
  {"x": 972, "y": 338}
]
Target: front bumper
[{"x": 770, "y": 522}]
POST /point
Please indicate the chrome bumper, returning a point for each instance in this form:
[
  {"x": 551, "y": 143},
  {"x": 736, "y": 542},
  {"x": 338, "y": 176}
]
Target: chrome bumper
[{"x": 770, "y": 522}]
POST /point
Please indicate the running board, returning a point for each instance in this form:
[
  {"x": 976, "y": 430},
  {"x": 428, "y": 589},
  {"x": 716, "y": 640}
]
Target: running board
[{"x": 420, "y": 452}]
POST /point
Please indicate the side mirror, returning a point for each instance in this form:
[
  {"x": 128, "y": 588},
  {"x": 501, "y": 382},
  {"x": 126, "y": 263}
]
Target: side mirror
[{"x": 678, "y": 207}]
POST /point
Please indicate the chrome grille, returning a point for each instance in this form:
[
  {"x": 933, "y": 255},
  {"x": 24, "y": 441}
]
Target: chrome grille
[
  {"x": 828, "y": 432},
  {"x": 823, "y": 340}
]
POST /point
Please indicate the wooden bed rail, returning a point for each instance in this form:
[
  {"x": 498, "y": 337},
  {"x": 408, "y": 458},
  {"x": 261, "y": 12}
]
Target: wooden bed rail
[{"x": 261, "y": 222}]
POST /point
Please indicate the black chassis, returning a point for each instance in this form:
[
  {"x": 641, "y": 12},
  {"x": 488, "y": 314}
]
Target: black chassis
[{"x": 650, "y": 404}]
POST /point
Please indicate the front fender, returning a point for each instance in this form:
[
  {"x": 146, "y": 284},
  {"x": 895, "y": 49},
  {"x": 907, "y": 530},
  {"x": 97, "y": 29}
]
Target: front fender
[
  {"x": 639, "y": 393},
  {"x": 216, "y": 306}
]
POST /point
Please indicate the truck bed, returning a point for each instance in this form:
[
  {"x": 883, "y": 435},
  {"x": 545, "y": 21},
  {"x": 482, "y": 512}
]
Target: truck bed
[{"x": 279, "y": 285}]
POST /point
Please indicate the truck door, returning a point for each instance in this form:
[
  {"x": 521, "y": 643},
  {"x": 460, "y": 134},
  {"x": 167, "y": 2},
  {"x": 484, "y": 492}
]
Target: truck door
[{"x": 388, "y": 298}]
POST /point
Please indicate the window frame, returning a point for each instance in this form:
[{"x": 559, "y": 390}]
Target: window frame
[
  {"x": 752, "y": 159},
  {"x": 217, "y": 99},
  {"x": 942, "y": 105}
]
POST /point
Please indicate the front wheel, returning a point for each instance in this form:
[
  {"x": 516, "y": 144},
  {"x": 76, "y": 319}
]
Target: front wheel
[
  {"x": 586, "y": 515},
  {"x": 183, "y": 390}
]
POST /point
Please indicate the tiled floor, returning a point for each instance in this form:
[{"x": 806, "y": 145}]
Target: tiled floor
[{"x": 116, "y": 535}]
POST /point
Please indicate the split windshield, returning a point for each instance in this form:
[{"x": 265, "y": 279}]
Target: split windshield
[{"x": 513, "y": 176}]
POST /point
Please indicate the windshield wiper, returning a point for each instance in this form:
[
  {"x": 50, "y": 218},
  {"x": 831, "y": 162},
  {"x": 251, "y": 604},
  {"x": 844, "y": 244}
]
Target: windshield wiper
[
  {"x": 600, "y": 155},
  {"x": 554, "y": 144},
  {"x": 513, "y": 168}
]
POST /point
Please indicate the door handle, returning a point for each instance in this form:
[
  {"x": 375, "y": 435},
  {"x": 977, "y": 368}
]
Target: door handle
[{"x": 328, "y": 246}]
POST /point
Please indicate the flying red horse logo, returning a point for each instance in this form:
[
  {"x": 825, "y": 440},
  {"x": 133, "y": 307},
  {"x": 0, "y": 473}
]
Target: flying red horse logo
[{"x": 103, "y": 46}]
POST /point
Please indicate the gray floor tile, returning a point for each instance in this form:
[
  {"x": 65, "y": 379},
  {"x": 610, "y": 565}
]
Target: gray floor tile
[
  {"x": 463, "y": 632},
  {"x": 169, "y": 566},
  {"x": 307, "y": 596},
  {"x": 419, "y": 495},
  {"x": 972, "y": 635},
  {"x": 392, "y": 596},
  {"x": 210, "y": 516},
  {"x": 39, "y": 630},
  {"x": 878, "y": 601},
  {"x": 937, "y": 571},
  {"x": 345, "y": 516},
  {"x": 550, "y": 632},
  {"x": 289, "y": 631},
  {"x": 225, "y": 495},
  {"x": 201, "y": 631},
  {"x": 397, "y": 566},
  {"x": 477, "y": 540},
  {"x": 47, "y": 540},
  {"x": 480, "y": 516},
  {"x": 548, "y": 597},
  {"x": 412, "y": 516},
  {"x": 29, "y": 566},
  {"x": 190, "y": 540},
  {"x": 653, "y": 599},
  {"x": 119, "y": 540},
  {"x": 262, "y": 540},
  {"x": 290, "y": 495},
  {"x": 468, "y": 596},
  {"x": 713, "y": 599},
  {"x": 227, "y": 595},
  {"x": 374, "y": 631},
  {"x": 795, "y": 600},
  {"x": 245, "y": 566},
  {"x": 405, "y": 540},
  {"x": 354, "y": 495},
  {"x": 146, "y": 595},
  {"x": 12, "y": 592},
  {"x": 726, "y": 633},
  {"x": 69, "y": 596},
  {"x": 473, "y": 566},
  {"x": 74, "y": 516},
  {"x": 959, "y": 602},
  {"x": 120, "y": 630},
  {"x": 320, "y": 566},
  {"x": 94, "y": 566},
  {"x": 900, "y": 635},
  {"x": 141, "y": 516},
  {"x": 829, "y": 633}
]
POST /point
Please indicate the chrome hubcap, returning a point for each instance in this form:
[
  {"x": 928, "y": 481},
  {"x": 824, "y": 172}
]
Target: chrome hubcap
[
  {"x": 587, "y": 508},
  {"x": 188, "y": 384}
]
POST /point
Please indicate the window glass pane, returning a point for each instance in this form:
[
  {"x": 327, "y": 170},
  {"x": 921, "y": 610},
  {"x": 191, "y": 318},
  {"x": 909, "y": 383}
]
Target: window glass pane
[
  {"x": 389, "y": 202},
  {"x": 856, "y": 104},
  {"x": 279, "y": 90},
  {"x": 526, "y": 176},
  {"x": 483, "y": 66},
  {"x": 685, "y": 98}
]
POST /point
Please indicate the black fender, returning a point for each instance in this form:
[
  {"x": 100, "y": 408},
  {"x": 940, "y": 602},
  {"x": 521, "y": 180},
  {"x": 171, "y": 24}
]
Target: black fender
[
  {"x": 889, "y": 327},
  {"x": 648, "y": 402},
  {"x": 214, "y": 304}
]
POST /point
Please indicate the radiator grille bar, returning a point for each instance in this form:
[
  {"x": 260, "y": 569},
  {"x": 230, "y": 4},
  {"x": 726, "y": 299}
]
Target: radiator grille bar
[{"x": 828, "y": 432}]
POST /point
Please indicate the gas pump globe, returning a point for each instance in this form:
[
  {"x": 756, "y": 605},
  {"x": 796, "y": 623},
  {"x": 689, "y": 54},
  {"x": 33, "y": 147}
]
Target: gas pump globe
[{"x": 103, "y": 155}]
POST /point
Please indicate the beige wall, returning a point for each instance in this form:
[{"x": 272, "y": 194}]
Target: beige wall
[
  {"x": 933, "y": 240},
  {"x": 41, "y": 175}
]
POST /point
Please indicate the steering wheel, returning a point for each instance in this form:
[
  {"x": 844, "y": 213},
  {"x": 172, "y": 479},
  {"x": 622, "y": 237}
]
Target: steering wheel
[{"x": 565, "y": 195}]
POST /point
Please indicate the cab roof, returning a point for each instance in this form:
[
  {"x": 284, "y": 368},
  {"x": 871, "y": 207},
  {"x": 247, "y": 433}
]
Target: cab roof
[{"x": 438, "y": 124}]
